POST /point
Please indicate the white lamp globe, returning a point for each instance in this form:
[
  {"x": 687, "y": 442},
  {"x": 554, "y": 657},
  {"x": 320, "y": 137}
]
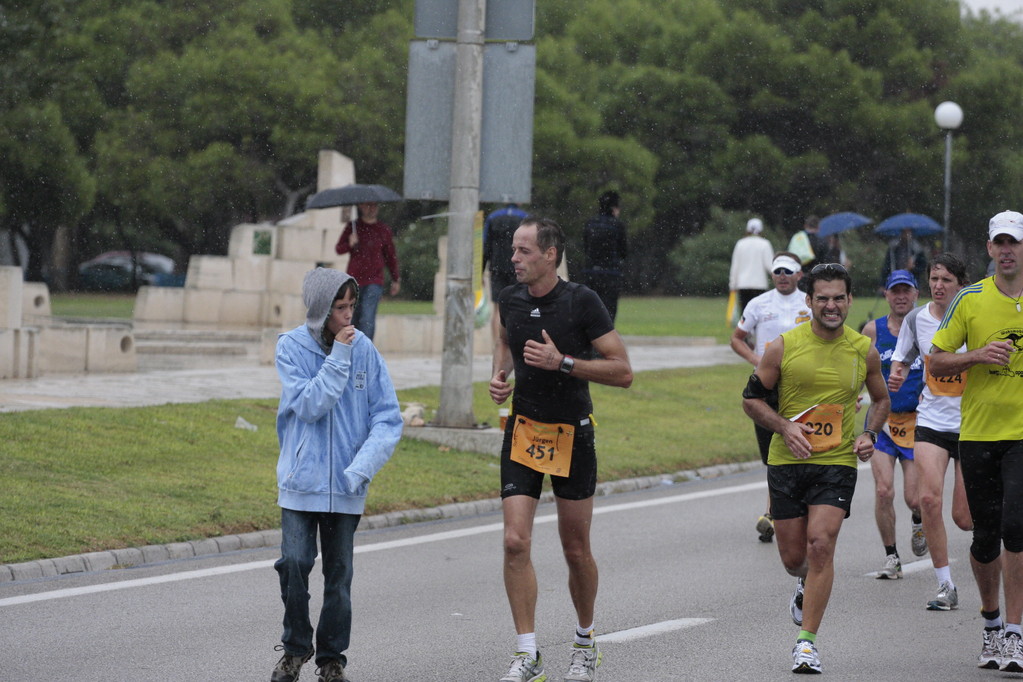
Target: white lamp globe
[{"x": 948, "y": 115}]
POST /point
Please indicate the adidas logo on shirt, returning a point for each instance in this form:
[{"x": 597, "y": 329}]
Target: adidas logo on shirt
[{"x": 535, "y": 312}]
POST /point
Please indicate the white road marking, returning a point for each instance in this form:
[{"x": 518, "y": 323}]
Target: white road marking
[
  {"x": 652, "y": 630},
  {"x": 361, "y": 549}
]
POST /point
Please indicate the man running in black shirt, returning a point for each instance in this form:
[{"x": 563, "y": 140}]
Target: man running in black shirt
[{"x": 550, "y": 330}]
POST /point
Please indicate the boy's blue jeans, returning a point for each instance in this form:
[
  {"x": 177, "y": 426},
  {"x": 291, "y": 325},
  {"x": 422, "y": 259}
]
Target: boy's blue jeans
[
  {"x": 365, "y": 319},
  {"x": 298, "y": 553}
]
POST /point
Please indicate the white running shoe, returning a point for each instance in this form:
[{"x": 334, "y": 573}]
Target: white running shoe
[
  {"x": 991, "y": 653},
  {"x": 525, "y": 668},
  {"x": 585, "y": 660},
  {"x": 892, "y": 568},
  {"x": 947, "y": 599},
  {"x": 1012, "y": 654},
  {"x": 796, "y": 603},
  {"x": 919, "y": 540},
  {"x": 805, "y": 659}
]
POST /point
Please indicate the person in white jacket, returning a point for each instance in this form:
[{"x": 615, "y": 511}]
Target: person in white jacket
[
  {"x": 338, "y": 423},
  {"x": 751, "y": 264}
]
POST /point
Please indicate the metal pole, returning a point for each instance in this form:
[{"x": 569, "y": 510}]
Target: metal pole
[
  {"x": 456, "y": 359},
  {"x": 949, "y": 237}
]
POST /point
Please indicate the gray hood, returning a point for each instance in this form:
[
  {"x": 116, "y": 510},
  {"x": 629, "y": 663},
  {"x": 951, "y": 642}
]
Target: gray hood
[{"x": 318, "y": 291}]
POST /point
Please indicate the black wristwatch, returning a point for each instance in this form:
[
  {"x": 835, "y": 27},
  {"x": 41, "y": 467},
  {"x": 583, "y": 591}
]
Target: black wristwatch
[
  {"x": 567, "y": 364},
  {"x": 872, "y": 434}
]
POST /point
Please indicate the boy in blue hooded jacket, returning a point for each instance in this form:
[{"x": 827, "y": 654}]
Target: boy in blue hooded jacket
[{"x": 338, "y": 423}]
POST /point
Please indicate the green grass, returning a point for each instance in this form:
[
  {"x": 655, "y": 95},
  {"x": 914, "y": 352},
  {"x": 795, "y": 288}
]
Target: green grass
[
  {"x": 87, "y": 479},
  {"x": 74, "y": 304}
]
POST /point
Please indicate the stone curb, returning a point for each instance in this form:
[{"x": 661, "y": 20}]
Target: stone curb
[{"x": 139, "y": 556}]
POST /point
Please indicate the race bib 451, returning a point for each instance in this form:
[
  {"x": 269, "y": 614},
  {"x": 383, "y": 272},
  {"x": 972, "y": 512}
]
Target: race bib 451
[{"x": 546, "y": 448}]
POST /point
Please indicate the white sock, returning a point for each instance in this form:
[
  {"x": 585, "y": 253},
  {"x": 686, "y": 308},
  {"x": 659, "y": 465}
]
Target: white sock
[
  {"x": 584, "y": 636},
  {"x": 1013, "y": 629},
  {"x": 526, "y": 644},
  {"x": 944, "y": 575}
]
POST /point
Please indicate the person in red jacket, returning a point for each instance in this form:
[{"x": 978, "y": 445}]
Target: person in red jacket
[{"x": 371, "y": 247}]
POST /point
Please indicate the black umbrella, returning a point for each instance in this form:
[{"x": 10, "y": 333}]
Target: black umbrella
[{"x": 352, "y": 194}]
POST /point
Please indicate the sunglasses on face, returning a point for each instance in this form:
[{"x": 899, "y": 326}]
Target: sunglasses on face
[
  {"x": 783, "y": 271},
  {"x": 829, "y": 267}
]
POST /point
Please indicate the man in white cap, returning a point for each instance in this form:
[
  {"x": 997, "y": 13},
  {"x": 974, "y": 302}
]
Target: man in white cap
[
  {"x": 766, "y": 317},
  {"x": 988, "y": 318},
  {"x": 751, "y": 262}
]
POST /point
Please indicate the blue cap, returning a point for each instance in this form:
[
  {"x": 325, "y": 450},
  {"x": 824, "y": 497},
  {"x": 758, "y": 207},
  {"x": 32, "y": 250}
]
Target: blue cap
[{"x": 900, "y": 277}]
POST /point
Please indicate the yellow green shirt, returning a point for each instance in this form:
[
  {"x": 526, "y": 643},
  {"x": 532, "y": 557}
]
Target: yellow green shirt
[
  {"x": 992, "y": 403},
  {"x": 816, "y": 371}
]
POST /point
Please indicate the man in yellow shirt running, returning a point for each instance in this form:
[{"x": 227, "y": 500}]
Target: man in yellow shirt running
[
  {"x": 988, "y": 318},
  {"x": 819, "y": 369}
]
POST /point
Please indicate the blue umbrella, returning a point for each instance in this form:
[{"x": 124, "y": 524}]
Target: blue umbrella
[
  {"x": 840, "y": 222},
  {"x": 922, "y": 226}
]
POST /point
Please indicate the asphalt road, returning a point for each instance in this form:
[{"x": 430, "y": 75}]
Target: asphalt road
[{"x": 687, "y": 593}]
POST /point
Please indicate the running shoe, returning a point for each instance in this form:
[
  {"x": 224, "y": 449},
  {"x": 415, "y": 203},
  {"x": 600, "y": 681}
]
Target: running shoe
[
  {"x": 524, "y": 668},
  {"x": 289, "y": 667},
  {"x": 947, "y": 599},
  {"x": 805, "y": 659},
  {"x": 892, "y": 568},
  {"x": 991, "y": 653},
  {"x": 796, "y": 603},
  {"x": 765, "y": 526},
  {"x": 919, "y": 541},
  {"x": 585, "y": 660},
  {"x": 1012, "y": 654}
]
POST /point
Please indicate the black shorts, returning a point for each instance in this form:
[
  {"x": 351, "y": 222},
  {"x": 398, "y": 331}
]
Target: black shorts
[
  {"x": 580, "y": 484},
  {"x": 946, "y": 440},
  {"x": 794, "y": 488}
]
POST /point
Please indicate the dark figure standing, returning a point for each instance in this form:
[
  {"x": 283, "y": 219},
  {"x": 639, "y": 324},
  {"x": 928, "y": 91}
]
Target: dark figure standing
[{"x": 605, "y": 246}]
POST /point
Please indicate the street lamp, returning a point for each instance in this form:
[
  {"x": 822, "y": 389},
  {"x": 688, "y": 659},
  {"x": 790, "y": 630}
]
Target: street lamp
[{"x": 948, "y": 116}]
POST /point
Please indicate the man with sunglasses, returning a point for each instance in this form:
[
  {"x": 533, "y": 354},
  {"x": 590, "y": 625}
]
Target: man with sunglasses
[
  {"x": 765, "y": 317},
  {"x": 988, "y": 318},
  {"x": 818, "y": 370}
]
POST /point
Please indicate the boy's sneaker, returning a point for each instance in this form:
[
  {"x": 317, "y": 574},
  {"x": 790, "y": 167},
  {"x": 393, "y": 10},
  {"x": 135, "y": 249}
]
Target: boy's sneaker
[
  {"x": 585, "y": 660},
  {"x": 765, "y": 526},
  {"x": 991, "y": 653},
  {"x": 805, "y": 659},
  {"x": 1012, "y": 654},
  {"x": 524, "y": 668},
  {"x": 289, "y": 667},
  {"x": 332, "y": 671},
  {"x": 796, "y": 603},
  {"x": 892, "y": 568},
  {"x": 947, "y": 599},
  {"x": 919, "y": 540}
]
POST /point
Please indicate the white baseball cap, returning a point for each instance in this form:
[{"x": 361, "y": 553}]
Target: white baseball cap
[
  {"x": 786, "y": 262},
  {"x": 754, "y": 226},
  {"x": 1006, "y": 222}
]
